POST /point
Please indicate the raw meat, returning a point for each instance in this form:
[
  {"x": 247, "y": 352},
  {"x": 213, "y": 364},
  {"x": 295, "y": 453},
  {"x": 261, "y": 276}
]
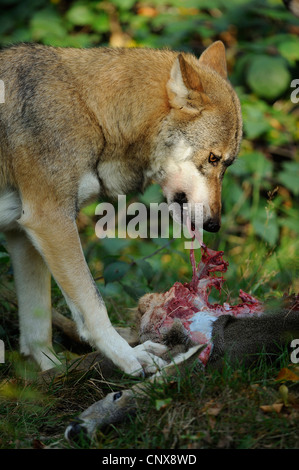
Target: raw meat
[{"x": 189, "y": 304}]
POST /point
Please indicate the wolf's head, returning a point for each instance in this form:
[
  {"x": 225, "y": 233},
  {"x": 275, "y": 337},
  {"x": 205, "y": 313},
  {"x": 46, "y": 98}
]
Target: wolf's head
[
  {"x": 293, "y": 6},
  {"x": 202, "y": 134}
]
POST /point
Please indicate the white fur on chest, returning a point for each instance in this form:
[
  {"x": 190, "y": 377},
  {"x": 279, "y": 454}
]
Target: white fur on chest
[
  {"x": 115, "y": 179},
  {"x": 10, "y": 209},
  {"x": 89, "y": 189}
]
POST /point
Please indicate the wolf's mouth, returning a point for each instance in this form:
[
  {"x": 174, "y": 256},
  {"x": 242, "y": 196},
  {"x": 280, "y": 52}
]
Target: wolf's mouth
[
  {"x": 210, "y": 225},
  {"x": 180, "y": 198}
]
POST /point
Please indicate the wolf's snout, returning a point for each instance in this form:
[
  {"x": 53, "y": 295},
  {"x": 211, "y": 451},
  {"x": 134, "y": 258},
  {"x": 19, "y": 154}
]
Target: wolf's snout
[
  {"x": 181, "y": 199},
  {"x": 212, "y": 225}
]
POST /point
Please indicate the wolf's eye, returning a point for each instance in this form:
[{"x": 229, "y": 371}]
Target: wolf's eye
[{"x": 213, "y": 159}]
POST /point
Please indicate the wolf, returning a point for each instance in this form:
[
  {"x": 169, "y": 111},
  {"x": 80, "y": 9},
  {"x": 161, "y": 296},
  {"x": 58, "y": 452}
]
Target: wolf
[
  {"x": 83, "y": 124},
  {"x": 293, "y": 6}
]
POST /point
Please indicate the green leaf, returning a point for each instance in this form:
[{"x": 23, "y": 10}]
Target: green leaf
[
  {"x": 47, "y": 22},
  {"x": 265, "y": 225},
  {"x": 4, "y": 258},
  {"x": 80, "y": 15},
  {"x": 279, "y": 14},
  {"x": 232, "y": 192},
  {"x": 289, "y": 177},
  {"x": 255, "y": 123},
  {"x": 291, "y": 223},
  {"x": 146, "y": 269},
  {"x": 153, "y": 194},
  {"x": 101, "y": 23},
  {"x": 268, "y": 77},
  {"x": 4, "y": 255},
  {"x": 134, "y": 292},
  {"x": 257, "y": 164},
  {"x": 289, "y": 49},
  {"x": 160, "y": 404},
  {"x": 113, "y": 246},
  {"x": 123, "y": 4},
  {"x": 3, "y": 249},
  {"x": 116, "y": 271}
]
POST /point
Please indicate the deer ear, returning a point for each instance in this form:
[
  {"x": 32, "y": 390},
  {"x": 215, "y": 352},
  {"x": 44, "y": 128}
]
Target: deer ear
[
  {"x": 214, "y": 57},
  {"x": 185, "y": 90}
]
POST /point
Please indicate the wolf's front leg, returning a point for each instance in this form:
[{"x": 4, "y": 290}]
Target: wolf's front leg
[{"x": 56, "y": 237}]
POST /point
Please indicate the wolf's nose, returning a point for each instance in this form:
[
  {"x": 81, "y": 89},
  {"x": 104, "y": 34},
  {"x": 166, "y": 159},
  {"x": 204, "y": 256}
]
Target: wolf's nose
[{"x": 212, "y": 225}]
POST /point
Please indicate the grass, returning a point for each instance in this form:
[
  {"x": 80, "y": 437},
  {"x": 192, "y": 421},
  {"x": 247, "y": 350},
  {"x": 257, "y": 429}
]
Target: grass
[{"x": 200, "y": 410}]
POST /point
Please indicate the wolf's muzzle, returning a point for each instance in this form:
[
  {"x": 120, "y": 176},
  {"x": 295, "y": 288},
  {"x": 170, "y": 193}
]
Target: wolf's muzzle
[
  {"x": 211, "y": 225},
  {"x": 181, "y": 199}
]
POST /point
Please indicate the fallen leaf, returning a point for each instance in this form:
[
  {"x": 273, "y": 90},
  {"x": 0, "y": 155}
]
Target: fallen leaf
[
  {"x": 37, "y": 444},
  {"x": 287, "y": 374},
  {"x": 214, "y": 410},
  {"x": 269, "y": 408}
]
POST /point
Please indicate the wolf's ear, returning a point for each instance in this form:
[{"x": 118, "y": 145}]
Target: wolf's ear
[
  {"x": 185, "y": 90},
  {"x": 214, "y": 57}
]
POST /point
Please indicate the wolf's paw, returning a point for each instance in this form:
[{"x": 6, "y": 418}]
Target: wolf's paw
[
  {"x": 148, "y": 354},
  {"x": 154, "y": 348},
  {"x": 45, "y": 358}
]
